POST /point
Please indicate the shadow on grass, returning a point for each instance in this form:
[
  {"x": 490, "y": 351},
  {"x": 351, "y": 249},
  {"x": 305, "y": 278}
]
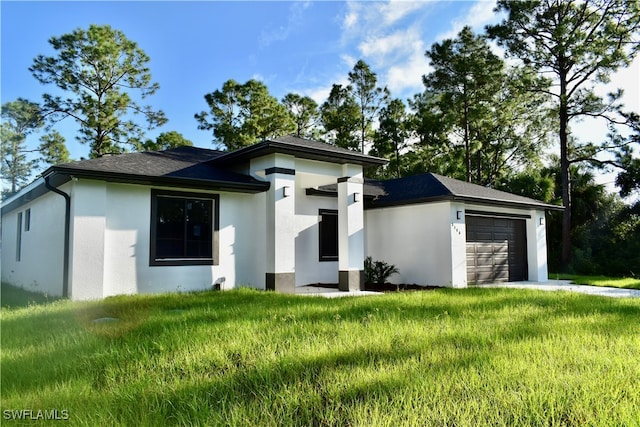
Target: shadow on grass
[{"x": 14, "y": 297}]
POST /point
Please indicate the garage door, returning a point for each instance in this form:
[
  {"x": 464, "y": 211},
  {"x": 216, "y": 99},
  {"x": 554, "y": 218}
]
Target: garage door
[{"x": 496, "y": 249}]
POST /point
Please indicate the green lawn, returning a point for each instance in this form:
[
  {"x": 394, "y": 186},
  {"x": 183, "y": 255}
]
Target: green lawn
[
  {"x": 469, "y": 357},
  {"x": 614, "y": 282}
]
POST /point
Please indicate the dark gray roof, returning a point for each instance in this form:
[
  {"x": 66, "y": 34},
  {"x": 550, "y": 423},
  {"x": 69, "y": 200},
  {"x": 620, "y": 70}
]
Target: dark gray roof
[
  {"x": 429, "y": 187},
  {"x": 299, "y": 147},
  {"x": 183, "y": 166}
]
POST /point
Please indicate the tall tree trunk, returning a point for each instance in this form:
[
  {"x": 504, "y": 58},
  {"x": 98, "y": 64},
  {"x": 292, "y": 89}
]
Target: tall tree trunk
[
  {"x": 467, "y": 148},
  {"x": 565, "y": 173}
]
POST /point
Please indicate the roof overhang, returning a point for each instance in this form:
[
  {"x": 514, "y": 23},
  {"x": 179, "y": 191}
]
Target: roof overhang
[
  {"x": 165, "y": 181},
  {"x": 466, "y": 199},
  {"x": 315, "y": 152}
]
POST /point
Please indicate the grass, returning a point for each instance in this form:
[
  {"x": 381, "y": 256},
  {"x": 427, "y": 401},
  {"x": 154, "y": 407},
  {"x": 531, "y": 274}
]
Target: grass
[
  {"x": 613, "y": 282},
  {"x": 467, "y": 357},
  {"x": 11, "y": 296}
]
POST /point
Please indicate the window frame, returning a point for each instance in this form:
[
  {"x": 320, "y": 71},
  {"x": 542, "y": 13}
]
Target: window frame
[
  {"x": 19, "y": 238},
  {"x": 322, "y": 257},
  {"x": 27, "y": 219},
  {"x": 215, "y": 212}
]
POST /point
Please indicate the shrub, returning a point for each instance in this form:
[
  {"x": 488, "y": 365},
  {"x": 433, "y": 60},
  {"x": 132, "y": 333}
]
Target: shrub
[{"x": 377, "y": 272}]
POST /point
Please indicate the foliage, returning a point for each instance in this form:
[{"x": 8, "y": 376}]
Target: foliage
[
  {"x": 605, "y": 231},
  {"x": 580, "y": 43},
  {"x": 99, "y": 70},
  {"x": 20, "y": 118},
  {"x": 487, "y": 114},
  {"x": 305, "y": 113},
  {"x": 53, "y": 149},
  {"x": 628, "y": 179},
  {"x": 368, "y": 97},
  {"x": 535, "y": 184},
  {"x": 167, "y": 141},
  {"x": 245, "y": 357},
  {"x": 340, "y": 115},
  {"x": 392, "y": 137},
  {"x": 378, "y": 272},
  {"x": 243, "y": 114}
]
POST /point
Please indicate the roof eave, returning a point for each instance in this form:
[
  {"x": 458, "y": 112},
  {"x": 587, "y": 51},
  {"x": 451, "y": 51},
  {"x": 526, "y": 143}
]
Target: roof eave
[
  {"x": 272, "y": 147},
  {"x": 467, "y": 199},
  {"x": 168, "y": 181}
]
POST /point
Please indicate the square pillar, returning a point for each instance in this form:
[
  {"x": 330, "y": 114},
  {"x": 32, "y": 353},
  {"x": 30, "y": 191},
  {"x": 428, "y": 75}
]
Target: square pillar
[
  {"x": 281, "y": 233},
  {"x": 351, "y": 232}
]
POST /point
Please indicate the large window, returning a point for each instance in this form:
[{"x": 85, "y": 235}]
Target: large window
[
  {"x": 328, "y": 235},
  {"x": 184, "y": 228}
]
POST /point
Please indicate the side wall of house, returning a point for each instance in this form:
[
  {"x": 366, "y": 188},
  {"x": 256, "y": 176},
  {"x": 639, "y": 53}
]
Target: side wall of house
[
  {"x": 111, "y": 244},
  {"x": 417, "y": 239},
  {"x": 40, "y": 265}
]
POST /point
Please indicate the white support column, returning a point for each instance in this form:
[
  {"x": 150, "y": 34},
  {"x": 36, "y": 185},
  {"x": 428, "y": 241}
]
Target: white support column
[
  {"x": 351, "y": 230},
  {"x": 281, "y": 250},
  {"x": 537, "y": 246}
]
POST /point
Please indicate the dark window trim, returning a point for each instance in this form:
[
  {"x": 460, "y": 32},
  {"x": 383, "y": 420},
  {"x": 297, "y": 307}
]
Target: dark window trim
[
  {"x": 325, "y": 258},
  {"x": 19, "y": 238},
  {"x": 215, "y": 238}
]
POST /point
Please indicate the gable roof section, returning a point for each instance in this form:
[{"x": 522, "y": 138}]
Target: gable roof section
[
  {"x": 182, "y": 166},
  {"x": 299, "y": 147},
  {"x": 430, "y": 187}
]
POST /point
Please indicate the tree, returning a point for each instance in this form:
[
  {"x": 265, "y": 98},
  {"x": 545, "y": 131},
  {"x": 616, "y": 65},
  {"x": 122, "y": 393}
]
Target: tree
[
  {"x": 19, "y": 119},
  {"x": 368, "y": 97},
  {"x": 478, "y": 111},
  {"x": 392, "y": 135},
  {"x": 466, "y": 75},
  {"x": 579, "y": 43},
  {"x": 243, "y": 114},
  {"x": 340, "y": 115},
  {"x": 53, "y": 149},
  {"x": 167, "y": 141},
  {"x": 628, "y": 179},
  {"x": 100, "y": 70},
  {"x": 304, "y": 111}
]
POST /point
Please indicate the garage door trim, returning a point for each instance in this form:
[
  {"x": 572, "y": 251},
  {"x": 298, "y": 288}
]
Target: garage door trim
[{"x": 496, "y": 214}]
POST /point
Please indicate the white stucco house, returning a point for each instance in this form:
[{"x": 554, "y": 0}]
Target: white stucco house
[{"x": 278, "y": 215}]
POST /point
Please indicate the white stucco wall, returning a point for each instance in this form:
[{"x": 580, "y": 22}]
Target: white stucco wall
[
  {"x": 110, "y": 250},
  {"x": 427, "y": 242},
  {"x": 40, "y": 268},
  {"x": 415, "y": 238},
  {"x": 312, "y": 174}
]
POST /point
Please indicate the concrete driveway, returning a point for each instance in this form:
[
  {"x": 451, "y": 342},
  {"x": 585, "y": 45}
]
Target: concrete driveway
[{"x": 566, "y": 285}]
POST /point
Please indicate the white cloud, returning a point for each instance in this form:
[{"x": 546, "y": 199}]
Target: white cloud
[
  {"x": 479, "y": 15},
  {"x": 407, "y": 76},
  {"x": 378, "y": 47},
  {"x": 350, "y": 20},
  {"x": 282, "y": 32}
]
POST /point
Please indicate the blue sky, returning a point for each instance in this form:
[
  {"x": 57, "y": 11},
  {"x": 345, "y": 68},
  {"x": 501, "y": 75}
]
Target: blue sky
[{"x": 301, "y": 47}]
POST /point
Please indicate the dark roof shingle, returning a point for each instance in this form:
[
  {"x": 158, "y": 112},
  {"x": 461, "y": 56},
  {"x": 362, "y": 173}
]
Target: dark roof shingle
[{"x": 429, "y": 187}]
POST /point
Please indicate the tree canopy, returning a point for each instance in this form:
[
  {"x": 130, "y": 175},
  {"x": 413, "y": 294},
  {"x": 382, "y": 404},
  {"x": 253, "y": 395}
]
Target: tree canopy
[
  {"x": 243, "y": 114},
  {"x": 100, "y": 72},
  {"x": 579, "y": 43}
]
